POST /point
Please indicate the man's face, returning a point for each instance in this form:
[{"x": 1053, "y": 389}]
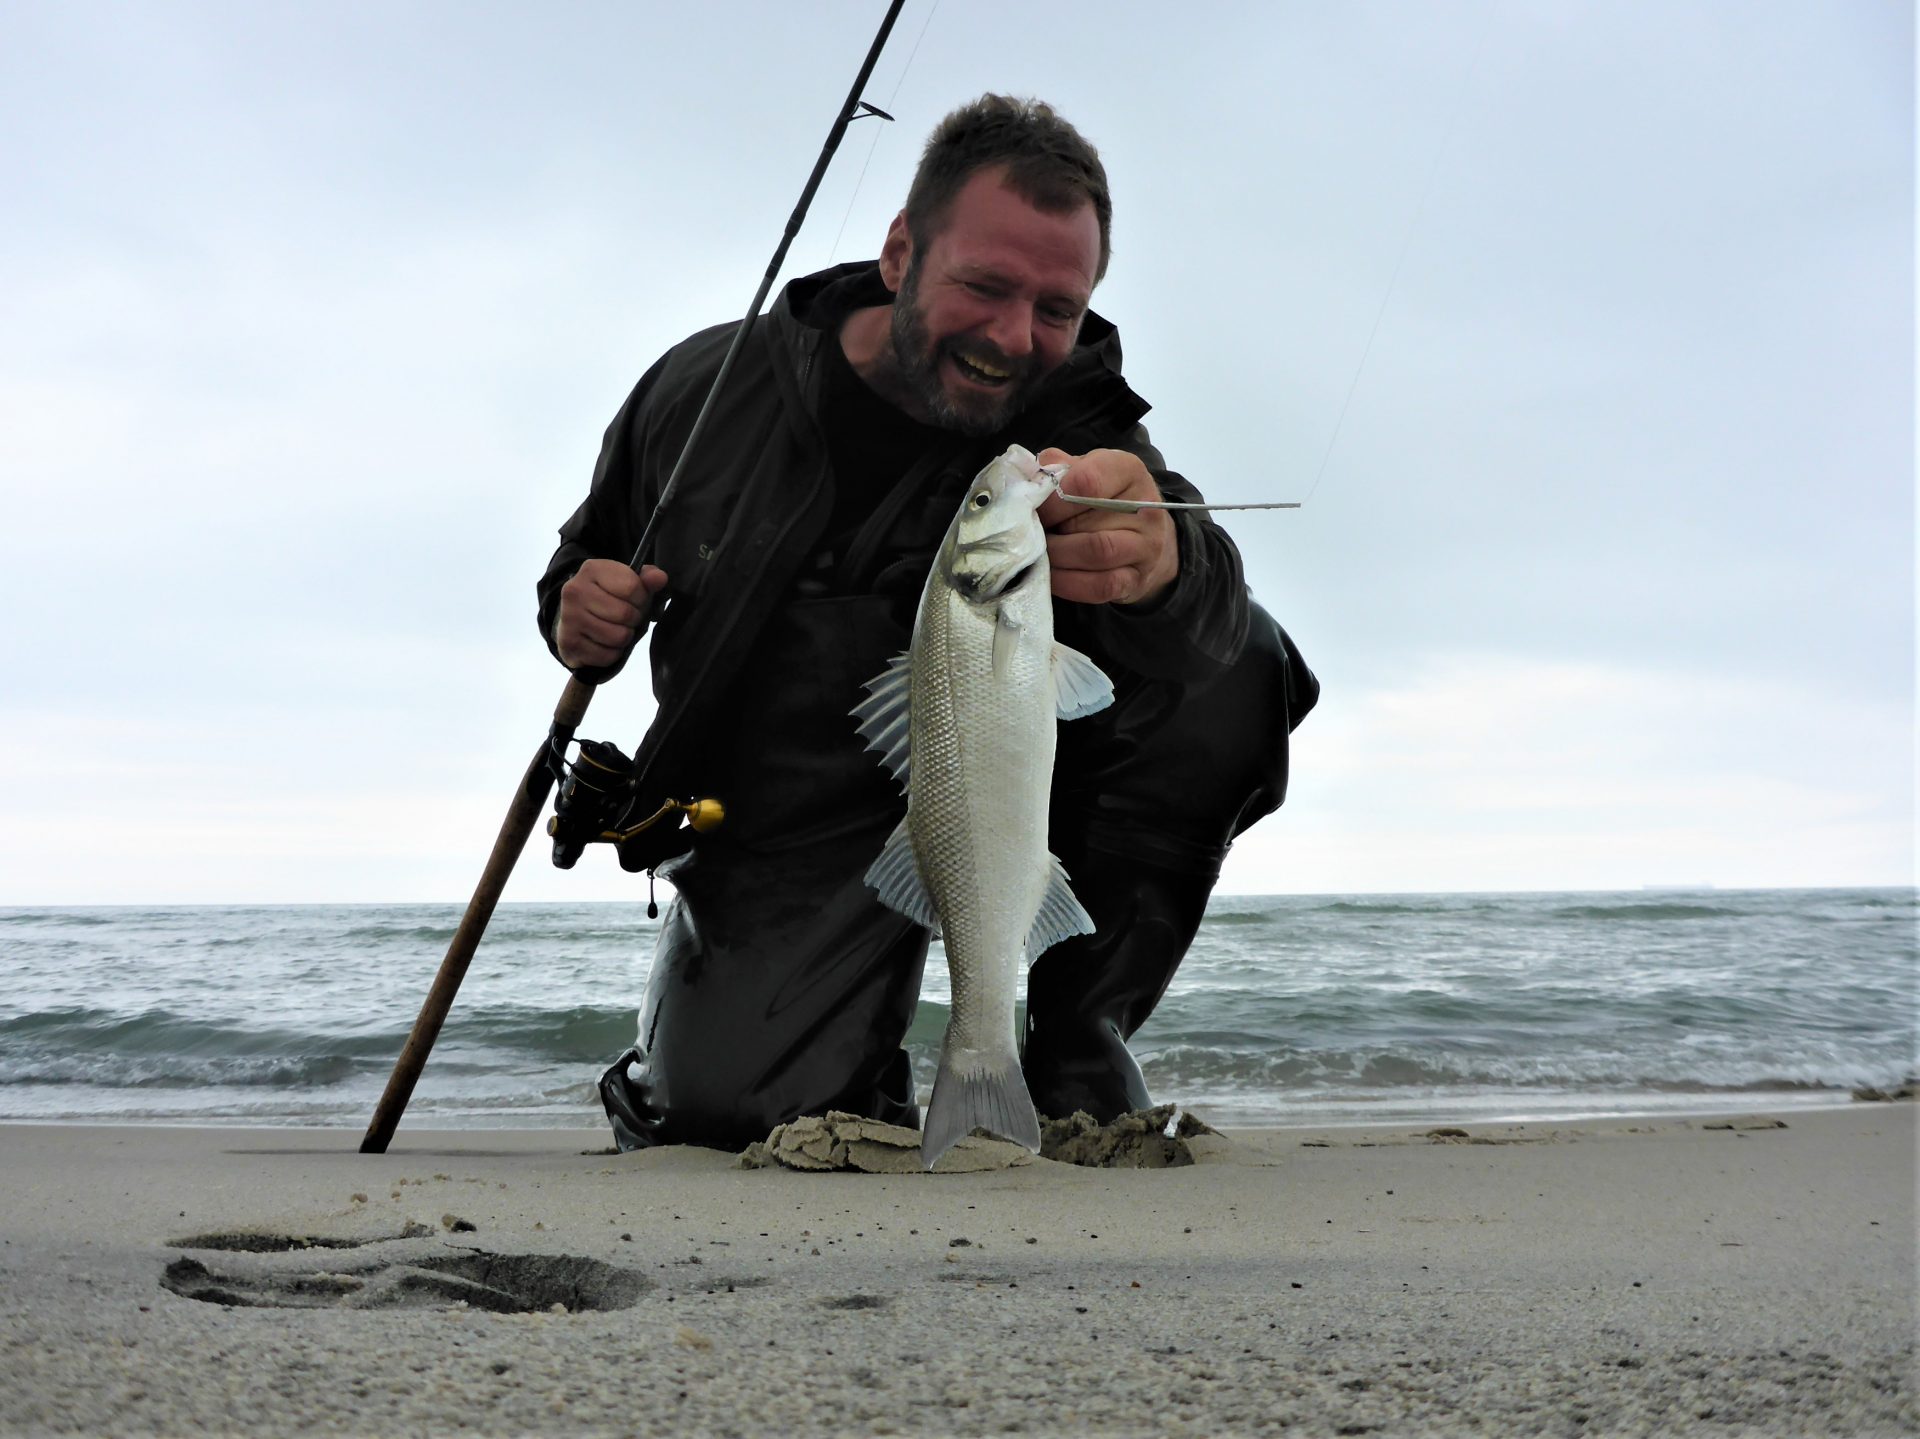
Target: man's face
[{"x": 991, "y": 305}]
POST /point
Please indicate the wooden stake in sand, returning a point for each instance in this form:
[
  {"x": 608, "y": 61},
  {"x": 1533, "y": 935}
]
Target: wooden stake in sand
[{"x": 532, "y": 795}]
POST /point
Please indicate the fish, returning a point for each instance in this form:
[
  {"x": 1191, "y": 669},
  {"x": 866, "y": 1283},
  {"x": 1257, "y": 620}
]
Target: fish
[{"x": 964, "y": 719}]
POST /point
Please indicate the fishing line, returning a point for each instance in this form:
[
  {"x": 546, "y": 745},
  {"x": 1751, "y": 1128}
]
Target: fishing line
[
  {"x": 874, "y": 143},
  {"x": 1406, "y": 244}
]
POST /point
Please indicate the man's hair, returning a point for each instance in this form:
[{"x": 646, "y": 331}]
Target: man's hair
[{"x": 1049, "y": 164}]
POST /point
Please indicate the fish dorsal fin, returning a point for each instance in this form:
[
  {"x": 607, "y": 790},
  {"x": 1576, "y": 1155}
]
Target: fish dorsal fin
[
  {"x": 884, "y": 714},
  {"x": 895, "y": 877},
  {"x": 1080, "y": 687},
  {"x": 1061, "y": 916}
]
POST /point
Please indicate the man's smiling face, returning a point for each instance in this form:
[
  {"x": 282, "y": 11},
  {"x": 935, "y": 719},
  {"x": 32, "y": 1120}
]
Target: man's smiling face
[{"x": 989, "y": 307}]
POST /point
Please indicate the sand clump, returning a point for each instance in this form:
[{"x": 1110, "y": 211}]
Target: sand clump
[
  {"x": 1145, "y": 1139},
  {"x": 1139, "y": 1140},
  {"x": 848, "y": 1141}
]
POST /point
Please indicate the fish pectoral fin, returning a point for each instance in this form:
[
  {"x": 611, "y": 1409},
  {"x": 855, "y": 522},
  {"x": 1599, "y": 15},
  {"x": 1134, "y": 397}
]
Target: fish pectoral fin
[
  {"x": 1080, "y": 687},
  {"x": 1006, "y": 638},
  {"x": 884, "y": 715},
  {"x": 1061, "y": 915},
  {"x": 895, "y": 877}
]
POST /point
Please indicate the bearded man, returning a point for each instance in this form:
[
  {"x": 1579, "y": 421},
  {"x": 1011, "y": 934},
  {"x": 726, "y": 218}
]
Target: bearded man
[{"x": 790, "y": 565}]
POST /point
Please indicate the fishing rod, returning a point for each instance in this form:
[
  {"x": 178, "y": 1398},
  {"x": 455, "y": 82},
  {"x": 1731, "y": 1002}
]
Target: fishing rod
[{"x": 550, "y": 762}]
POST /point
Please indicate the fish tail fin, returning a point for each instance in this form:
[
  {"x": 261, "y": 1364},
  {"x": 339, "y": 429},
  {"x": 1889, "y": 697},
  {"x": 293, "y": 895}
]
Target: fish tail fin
[{"x": 976, "y": 1090}]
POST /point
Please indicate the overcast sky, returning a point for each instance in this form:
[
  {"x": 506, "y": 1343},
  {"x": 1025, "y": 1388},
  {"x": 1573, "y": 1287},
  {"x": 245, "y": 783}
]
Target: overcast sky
[{"x": 311, "y": 318}]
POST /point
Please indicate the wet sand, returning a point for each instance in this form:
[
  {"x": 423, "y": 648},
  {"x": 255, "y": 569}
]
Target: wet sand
[{"x": 1617, "y": 1277}]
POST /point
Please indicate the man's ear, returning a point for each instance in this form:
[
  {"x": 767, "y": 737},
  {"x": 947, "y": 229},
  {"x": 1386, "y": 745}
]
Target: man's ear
[{"x": 896, "y": 254}]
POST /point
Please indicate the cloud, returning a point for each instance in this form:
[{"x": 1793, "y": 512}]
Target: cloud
[
  {"x": 1498, "y": 771},
  {"x": 311, "y": 320}
]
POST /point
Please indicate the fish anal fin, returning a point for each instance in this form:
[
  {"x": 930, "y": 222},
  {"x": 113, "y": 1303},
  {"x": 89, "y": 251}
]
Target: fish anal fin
[{"x": 1061, "y": 915}]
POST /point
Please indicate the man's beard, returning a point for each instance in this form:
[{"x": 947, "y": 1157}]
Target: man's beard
[{"x": 916, "y": 370}]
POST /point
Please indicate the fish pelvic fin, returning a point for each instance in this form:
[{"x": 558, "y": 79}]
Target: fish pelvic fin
[
  {"x": 895, "y": 877},
  {"x": 974, "y": 1090},
  {"x": 1080, "y": 687},
  {"x": 884, "y": 715},
  {"x": 1061, "y": 915}
]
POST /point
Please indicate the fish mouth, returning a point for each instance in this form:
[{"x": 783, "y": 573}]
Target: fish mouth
[
  {"x": 984, "y": 589},
  {"x": 1019, "y": 578}
]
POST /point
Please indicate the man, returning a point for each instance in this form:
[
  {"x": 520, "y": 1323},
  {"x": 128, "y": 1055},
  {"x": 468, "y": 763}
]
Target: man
[{"x": 789, "y": 565}]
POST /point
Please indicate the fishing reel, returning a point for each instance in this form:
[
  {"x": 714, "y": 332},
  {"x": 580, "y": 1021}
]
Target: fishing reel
[{"x": 596, "y": 796}]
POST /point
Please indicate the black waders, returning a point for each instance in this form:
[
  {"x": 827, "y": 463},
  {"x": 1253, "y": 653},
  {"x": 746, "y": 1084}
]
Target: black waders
[
  {"x": 781, "y": 986},
  {"x": 1145, "y": 806}
]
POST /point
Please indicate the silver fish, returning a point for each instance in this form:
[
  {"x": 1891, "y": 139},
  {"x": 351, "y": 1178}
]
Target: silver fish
[{"x": 965, "y": 720}]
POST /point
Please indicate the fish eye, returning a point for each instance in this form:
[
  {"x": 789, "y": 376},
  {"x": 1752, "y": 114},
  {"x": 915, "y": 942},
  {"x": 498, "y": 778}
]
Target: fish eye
[{"x": 982, "y": 500}]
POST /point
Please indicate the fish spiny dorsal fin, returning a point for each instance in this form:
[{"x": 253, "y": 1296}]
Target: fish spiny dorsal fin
[
  {"x": 884, "y": 715},
  {"x": 1080, "y": 687}
]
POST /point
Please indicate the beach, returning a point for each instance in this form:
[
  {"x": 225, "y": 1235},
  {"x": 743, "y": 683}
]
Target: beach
[{"x": 1617, "y": 1276}]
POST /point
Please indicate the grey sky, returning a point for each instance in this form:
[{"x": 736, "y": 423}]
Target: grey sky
[{"x": 311, "y": 318}]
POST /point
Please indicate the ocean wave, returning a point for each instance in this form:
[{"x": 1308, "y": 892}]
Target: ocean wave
[
  {"x": 1224, "y": 919},
  {"x": 116, "y": 1071},
  {"x": 283, "y": 1012},
  {"x": 439, "y": 934},
  {"x": 1648, "y": 910},
  {"x": 1375, "y": 906},
  {"x": 1182, "y": 1066},
  {"x": 583, "y": 1032},
  {"x": 162, "y": 1032},
  {"x": 507, "y": 1035}
]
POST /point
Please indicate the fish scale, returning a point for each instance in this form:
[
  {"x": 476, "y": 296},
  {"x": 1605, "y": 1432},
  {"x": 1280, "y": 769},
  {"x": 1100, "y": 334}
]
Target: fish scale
[{"x": 982, "y": 812}]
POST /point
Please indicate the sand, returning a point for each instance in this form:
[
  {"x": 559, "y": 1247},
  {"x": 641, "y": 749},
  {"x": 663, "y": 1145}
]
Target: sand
[{"x": 1616, "y": 1277}]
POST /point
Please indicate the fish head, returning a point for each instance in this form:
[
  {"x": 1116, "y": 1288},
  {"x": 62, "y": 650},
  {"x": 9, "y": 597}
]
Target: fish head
[{"x": 995, "y": 543}]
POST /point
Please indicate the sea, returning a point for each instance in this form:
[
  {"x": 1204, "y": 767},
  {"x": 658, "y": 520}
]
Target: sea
[{"x": 1288, "y": 1010}]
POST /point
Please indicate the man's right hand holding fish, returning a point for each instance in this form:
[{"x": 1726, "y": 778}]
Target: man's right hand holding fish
[{"x": 1107, "y": 556}]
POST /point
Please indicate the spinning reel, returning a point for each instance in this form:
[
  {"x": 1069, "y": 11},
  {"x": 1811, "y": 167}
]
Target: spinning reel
[{"x": 596, "y": 796}]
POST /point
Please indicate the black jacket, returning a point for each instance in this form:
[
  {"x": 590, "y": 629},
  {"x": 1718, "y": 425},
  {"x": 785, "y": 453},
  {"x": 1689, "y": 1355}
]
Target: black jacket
[{"x": 756, "y": 496}]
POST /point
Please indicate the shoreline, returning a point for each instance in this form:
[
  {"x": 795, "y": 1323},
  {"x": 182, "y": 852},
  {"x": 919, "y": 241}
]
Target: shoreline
[
  {"x": 1636, "y": 1275},
  {"x": 1806, "y": 1101}
]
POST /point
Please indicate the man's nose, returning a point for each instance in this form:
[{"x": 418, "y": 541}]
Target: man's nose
[{"x": 1012, "y": 329}]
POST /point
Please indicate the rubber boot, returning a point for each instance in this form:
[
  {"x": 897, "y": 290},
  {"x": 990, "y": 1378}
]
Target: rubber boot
[{"x": 1087, "y": 995}]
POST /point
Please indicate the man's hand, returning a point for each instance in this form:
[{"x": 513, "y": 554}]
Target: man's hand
[
  {"x": 601, "y": 609},
  {"x": 1107, "y": 556}
]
